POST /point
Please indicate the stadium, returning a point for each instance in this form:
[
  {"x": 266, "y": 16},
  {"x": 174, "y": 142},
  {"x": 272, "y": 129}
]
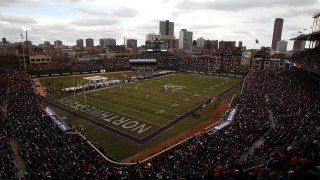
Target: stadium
[{"x": 162, "y": 115}]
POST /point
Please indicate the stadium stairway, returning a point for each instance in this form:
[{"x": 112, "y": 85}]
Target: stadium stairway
[
  {"x": 249, "y": 154},
  {"x": 19, "y": 163}
]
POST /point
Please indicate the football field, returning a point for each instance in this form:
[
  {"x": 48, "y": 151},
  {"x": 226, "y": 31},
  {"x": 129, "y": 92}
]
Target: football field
[{"x": 142, "y": 110}]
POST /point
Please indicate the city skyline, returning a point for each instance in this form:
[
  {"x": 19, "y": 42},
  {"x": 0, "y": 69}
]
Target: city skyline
[{"x": 69, "y": 20}]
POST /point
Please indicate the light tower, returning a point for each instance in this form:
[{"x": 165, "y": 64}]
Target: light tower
[
  {"x": 316, "y": 22},
  {"x": 26, "y": 28}
]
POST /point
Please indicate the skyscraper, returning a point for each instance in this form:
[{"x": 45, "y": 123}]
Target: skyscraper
[
  {"x": 240, "y": 44},
  {"x": 166, "y": 28},
  {"x": 46, "y": 43},
  {"x": 89, "y": 42},
  {"x": 185, "y": 40},
  {"x": 277, "y": 32},
  {"x": 200, "y": 42},
  {"x": 4, "y": 41},
  {"x": 102, "y": 42},
  {"x": 57, "y": 43},
  {"x": 131, "y": 43},
  {"x": 110, "y": 42},
  {"x": 80, "y": 43}
]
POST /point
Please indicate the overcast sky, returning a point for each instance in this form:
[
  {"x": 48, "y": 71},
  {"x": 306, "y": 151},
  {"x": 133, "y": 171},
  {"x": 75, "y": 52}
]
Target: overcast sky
[{"x": 238, "y": 20}]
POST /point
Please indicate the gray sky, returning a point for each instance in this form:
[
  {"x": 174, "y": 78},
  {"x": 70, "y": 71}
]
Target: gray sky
[{"x": 238, "y": 20}]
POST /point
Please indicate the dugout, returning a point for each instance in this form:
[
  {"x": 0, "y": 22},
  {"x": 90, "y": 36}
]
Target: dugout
[{"x": 143, "y": 64}]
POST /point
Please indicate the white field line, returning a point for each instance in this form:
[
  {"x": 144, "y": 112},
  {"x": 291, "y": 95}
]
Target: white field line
[{"x": 119, "y": 94}]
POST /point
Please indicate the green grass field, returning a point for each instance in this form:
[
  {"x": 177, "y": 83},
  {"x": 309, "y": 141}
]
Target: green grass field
[{"x": 140, "y": 108}]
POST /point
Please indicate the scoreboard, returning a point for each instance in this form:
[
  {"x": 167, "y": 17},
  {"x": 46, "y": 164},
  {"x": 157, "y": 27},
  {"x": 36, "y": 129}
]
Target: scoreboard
[{"x": 156, "y": 46}]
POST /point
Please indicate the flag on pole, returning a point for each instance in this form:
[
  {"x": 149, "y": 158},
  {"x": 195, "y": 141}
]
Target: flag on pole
[
  {"x": 21, "y": 36},
  {"x": 257, "y": 41}
]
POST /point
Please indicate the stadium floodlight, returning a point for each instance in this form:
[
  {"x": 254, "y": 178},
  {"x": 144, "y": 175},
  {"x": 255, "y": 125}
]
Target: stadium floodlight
[
  {"x": 26, "y": 28},
  {"x": 316, "y": 14}
]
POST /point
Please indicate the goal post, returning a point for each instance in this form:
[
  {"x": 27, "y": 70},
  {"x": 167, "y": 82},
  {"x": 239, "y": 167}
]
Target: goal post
[{"x": 79, "y": 85}]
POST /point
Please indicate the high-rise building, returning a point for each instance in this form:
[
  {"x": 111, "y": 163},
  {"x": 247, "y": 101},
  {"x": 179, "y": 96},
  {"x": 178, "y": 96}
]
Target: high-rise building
[
  {"x": 102, "y": 42},
  {"x": 4, "y": 41},
  {"x": 200, "y": 42},
  {"x": 298, "y": 45},
  {"x": 80, "y": 43},
  {"x": 194, "y": 43},
  {"x": 166, "y": 28},
  {"x": 207, "y": 44},
  {"x": 277, "y": 32},
  {"x": 107, "y": 42},
  {"x": 282, "y": 46},
  {"x": 226, "y": 45},
  {"x": 211, "y": 44},
  {"x": 110, "y": 42},
  {"x": 131, "y": 43},
  {"x": 176, "y": 44},
  {"x": 57, "y": 43},
  {"x": 240, "y": 44},
  {"x": 185, "y": 40},
  {"x": 46, "y": 43},
  {"x": 89, "y": 42}
]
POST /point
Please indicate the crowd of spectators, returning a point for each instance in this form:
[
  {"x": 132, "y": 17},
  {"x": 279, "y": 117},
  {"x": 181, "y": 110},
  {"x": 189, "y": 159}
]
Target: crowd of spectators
[
  {"x": 298, "y": 162},
  {"x": 232, "y": 68},
  {"x": 46, "y": 151},
  {"x": 199, "y": 64},
  {"x": 292, "y": 96},
  {"x": 308, "y": 57},
  {"x": 296, "y": 107},
  {"x": 165, "y": 60},
  {"x": 7, "y": 164},
  {"x": 76, "y": 66},
  {"x": 278, "y": 56}
]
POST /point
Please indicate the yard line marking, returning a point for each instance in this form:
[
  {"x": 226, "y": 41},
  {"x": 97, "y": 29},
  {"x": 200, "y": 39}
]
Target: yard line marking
[
  {"x": 137, "y": 102},
  {"x": 160, "y": 111},
  {"x": 174, "y": 105},
  {"x": 142, "y": 100}
]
